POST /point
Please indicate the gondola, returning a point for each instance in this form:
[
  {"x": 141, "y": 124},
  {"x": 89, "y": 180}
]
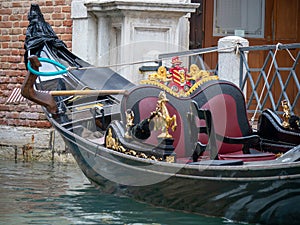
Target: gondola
[{"x": 184, "y": 146}]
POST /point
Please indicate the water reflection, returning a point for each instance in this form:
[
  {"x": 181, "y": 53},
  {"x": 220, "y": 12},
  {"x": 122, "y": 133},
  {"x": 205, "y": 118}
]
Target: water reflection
[{"x": 43, "y": 193}]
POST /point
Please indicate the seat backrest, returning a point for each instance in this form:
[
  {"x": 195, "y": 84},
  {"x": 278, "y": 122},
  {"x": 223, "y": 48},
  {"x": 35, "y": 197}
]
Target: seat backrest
[
  {"x": 142, "y": 100},
  {"x": 227, "y": 105},
  {"x": 270, "y": 128},
  {"x": 201, "y": 123},
  {"x": 224, "y": 100}
]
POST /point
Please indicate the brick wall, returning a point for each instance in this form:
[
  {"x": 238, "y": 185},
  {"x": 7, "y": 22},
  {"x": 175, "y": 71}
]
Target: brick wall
[{"x": 13, "y": 24}]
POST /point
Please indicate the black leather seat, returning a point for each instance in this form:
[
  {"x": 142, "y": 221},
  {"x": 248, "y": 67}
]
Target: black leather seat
[{"x": 274, "y": 135}]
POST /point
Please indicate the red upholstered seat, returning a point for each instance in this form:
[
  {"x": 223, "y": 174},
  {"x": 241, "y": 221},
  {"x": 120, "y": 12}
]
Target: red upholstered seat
[
  {"x": 229, "y": 124},
  {"x": 145, "y": 107},
  {"x": 221, "y": 99},
  {"x": 142, "y": 100}
]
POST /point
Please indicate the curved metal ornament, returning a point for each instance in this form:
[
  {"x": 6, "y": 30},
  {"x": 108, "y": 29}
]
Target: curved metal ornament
[{"x": 53, "y": 73}]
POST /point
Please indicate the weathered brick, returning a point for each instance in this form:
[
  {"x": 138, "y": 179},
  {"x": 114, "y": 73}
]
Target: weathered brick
[
  {"x": 4, "y": 107},
  {"x": 6, "y": 4},
  {"x": 4, "y": 45},
  {"x": 5, "y": 18},
  {"x": 60, "y": 30},
  {"x": 2, "y": 121},
  {"x": 58, "y": 23},
  {"x": 4, "y": 52},
  {"x": 4, "y": 32},
  {"x": 10, "y": 122},
  {"x": 57, "y": 9},
  {"x": 24, "y": 23},
  {"x": 16, "y": 4},
  {"x": 22, "y": 39},
  {"x": 68, "y": 30},
  {"x": 69, "y": 45},
  {"x": 14, "y": 73},
  {"x": 13, "y": 115},
  {"x": 20, "y": 11},
  {"x": 14, "y": 59},
  {"x": 13, "y": 17},
  {"x": 16, "y": 24},
  {"x": 4, "y": 65},
  {"x": 4, "y": 80},
  {"x": 16, "y": 31},
  {"x": 58, "y": 16},
  {"x": 2, "y": 114},
  {"x": 5, "y": 38},
  {"x": 15, "y": 45},
  {"x": 66, "y": 9},
  {"x": 6, "y": 11},
  {"x": 47, "y": 10},
  {"x": 47, "y": 17},
  {"x": 59, "y": 2},
  {"x": 3, "y": 99},
  {"x": 29, "y": 115},
  {"x": 24, "y": 17},
  {"x": 4, "y": 24},
  {"x": 21, "y": 66},
  {"x": 48, "y": 3},
  {"x": 15, "y": 52},
  {"x": 67, "y": 23},
  {"x": 66, "y": 37},
  {"x": 43, "y": 124},
  {"x": 13, "y": 66},
  {"x": 4, "y": 58}
]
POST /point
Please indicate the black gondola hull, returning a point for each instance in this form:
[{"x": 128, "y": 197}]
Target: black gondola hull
[
  {"x": 267, "y": 194},
  {"x": 266, "y": 191}
]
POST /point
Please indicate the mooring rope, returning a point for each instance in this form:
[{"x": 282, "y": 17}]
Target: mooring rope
[
  {"x": 293, "y": 58},
  {"x": 263, "y": 89},
  {"x": 65, "y": 69},
  {"x": 152, "y": 60},
  {"x": 268, "y": 74}
]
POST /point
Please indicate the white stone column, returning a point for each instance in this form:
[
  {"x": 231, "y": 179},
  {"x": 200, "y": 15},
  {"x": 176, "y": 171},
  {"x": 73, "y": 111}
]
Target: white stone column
[
  {"x": 229, "y": 58},
  {"x": 84, "y": 33},
  {"x": 135, "y": 30}
]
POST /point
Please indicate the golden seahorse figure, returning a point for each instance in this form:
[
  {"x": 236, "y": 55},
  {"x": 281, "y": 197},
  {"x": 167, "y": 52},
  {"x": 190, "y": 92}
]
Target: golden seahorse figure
[{"x": 162, "y": 112}]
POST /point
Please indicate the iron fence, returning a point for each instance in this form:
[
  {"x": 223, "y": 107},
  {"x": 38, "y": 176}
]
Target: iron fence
[
  {"x": 195, "y": 57},
  {"x": 260, "y": 83}
]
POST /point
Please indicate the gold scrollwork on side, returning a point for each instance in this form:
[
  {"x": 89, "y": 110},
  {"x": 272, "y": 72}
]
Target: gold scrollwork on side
[
  {"x": 113, "y": 143},
  {"x": 286, "y": 114},
  {"x": 170, "y": 159}
]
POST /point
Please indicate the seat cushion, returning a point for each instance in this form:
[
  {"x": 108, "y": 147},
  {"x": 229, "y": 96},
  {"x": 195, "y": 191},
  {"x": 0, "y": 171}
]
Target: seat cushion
[
  {"x": 227, "y": 105},
  {"x": 270, "y": 128},
  {"x": 248, "y": 157}
]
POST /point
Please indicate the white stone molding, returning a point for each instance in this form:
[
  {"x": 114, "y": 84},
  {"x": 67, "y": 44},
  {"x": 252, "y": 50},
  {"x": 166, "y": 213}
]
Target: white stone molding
[{"x": 125, "y": 31}]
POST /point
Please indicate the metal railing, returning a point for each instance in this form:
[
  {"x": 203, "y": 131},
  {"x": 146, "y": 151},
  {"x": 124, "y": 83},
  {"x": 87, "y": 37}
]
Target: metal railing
[
  {"x": 260, "y": 83},
  {"x": 265, "y": 86},
  {"x": 195, "y": 57}
]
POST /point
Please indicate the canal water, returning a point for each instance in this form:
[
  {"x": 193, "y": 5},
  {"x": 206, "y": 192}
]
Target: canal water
[{"x": 46, "y": 193}]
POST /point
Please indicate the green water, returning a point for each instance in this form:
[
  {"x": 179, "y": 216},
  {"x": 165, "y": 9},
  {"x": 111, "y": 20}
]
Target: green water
[{"x": 43, "y": 193}]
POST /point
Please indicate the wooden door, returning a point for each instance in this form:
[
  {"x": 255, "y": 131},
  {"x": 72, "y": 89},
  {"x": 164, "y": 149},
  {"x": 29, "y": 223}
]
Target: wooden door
[
  {"x": 281, "y": 25},
  {"x": 286, "y": 29},
  {"x": 196, "y": 27}
]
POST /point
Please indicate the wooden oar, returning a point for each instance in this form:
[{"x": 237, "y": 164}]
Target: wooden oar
[{"x": 88, "y": 92}]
